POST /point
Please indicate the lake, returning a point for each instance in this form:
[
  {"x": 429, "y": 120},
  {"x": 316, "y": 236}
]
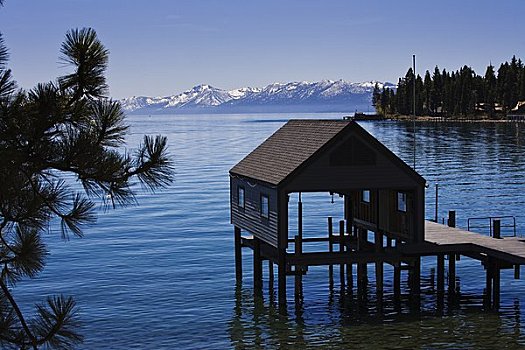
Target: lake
[{"x": 160, "y": 275}]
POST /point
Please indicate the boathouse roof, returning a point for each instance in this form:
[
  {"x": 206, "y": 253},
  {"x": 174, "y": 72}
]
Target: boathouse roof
[{"x": 299, "y": 142}]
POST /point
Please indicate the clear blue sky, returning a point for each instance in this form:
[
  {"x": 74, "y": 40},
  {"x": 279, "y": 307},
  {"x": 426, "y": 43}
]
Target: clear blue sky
[{"x": 162, "y": 47}]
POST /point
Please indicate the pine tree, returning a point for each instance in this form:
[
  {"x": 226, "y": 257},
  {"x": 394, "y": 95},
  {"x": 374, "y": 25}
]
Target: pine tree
[
  {"x": 490, "y": 87},
  {"x": 59, "y": 129},
  {"x": 437, "y": 91},
  {"x": 427, "y": 91},
  {"x": 376, "y": 98}
]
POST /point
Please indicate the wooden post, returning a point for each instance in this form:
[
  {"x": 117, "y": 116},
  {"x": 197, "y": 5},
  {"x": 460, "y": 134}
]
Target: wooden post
[
  {"x": 330, "y": 249},
  {"x": 299, "y": 248},
  {"x": 415, "y": 273},
  {"x": 270, "y": 276},
  {"x": 379, "y": 265},
  {"x": 488, "y": 283},
  {"x": 238, "y": 254},
  {"x": 362, "y": 273},
  {"x": 496, "y": 288},
  {"x": 496, "y": 229},
  {"x": 350, "y": 278},
  {"x": 397, "y": 280},
  {"x": 257, "y": 266},
  {"x": 281, "y": 277},
  {"x": 437, "y": 203},
  {"x": 451, "y": 218},
  {"x": 516, "y": 272},
  {"x": 342, "y": 249},
  {"x": 440, "y": 273},
  {"x": 452, "y": 273},
  {"x": 298, "y": 269}
]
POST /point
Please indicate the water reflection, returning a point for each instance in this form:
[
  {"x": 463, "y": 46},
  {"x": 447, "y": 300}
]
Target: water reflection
[{"x": 361, "y": 322}]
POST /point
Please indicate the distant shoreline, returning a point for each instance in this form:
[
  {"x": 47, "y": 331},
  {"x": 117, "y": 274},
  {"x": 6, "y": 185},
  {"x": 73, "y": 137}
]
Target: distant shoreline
[{"x": 474, "y": 119}]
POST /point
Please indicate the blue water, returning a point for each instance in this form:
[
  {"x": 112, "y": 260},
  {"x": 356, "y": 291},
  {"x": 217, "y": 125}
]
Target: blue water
[{"x": 160, "y": 275}]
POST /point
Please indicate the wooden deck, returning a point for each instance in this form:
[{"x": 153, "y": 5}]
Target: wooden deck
[{"x": 449, "y": 240}]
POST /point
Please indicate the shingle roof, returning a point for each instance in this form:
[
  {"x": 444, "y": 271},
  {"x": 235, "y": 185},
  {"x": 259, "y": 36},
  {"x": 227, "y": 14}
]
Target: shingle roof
[{"x": 288, "y": 148}]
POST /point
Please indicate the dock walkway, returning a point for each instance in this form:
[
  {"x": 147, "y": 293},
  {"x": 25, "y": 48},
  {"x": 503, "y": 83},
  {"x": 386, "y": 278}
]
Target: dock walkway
[{"x": 450, "y": 240}]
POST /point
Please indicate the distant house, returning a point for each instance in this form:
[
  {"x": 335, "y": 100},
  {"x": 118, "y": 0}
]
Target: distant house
[
  {"x": 382, "y": 193},
  {"x": 518, "y": 112}
]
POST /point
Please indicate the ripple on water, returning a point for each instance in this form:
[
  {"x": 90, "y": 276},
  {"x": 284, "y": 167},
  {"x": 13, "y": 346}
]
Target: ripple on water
[{"x": 159, "y": 275}]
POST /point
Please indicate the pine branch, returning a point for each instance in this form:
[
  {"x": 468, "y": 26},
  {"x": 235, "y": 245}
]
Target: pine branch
[{"x": 19, "y": 314}]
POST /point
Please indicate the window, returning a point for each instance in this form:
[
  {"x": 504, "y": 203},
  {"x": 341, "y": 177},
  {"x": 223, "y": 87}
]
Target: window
[
  {"x": 240, "y": 196},
  {"x": 265, "y": 206},
  {"x": 402, "y": 201},
  {"x": 366, "y": 196}
]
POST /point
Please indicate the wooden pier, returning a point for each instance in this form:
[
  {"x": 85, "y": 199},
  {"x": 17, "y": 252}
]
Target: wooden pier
[
  {"x": 441, "y": 241},
  {"x": 382, "y": 221}
]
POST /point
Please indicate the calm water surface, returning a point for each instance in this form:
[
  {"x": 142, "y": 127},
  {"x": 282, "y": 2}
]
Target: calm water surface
[{"x": 160, "y": 275}]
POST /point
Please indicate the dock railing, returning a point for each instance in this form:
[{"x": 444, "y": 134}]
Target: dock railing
[{"x": 494, "y": 224}]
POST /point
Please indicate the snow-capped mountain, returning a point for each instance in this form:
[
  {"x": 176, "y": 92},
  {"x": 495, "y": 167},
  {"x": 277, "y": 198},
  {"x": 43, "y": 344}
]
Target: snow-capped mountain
[{"x": 322, "y": 96}]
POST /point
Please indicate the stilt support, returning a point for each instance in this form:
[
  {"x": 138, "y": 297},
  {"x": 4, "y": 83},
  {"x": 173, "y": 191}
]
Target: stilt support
[
  {"x": 257, "y": 266},
  {"x": 440, "y": 273},
  {"x": 342, "y": 249},
  {"x": 330, "y": 249},
  {"x": 281, "y": 278},
  {"x": 397, "y": 280},
  {"x": 452, "y": 273},
  {"x": 238, "y": 255}
]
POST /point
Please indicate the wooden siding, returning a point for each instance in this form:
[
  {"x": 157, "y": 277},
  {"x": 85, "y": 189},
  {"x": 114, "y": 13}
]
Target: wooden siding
[
  {"x": 249, "y": 218},
  {"x": 391, "y": 220}
]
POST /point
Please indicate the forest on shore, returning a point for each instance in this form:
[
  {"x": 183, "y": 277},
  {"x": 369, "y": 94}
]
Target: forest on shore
[{"x": 461, "y": 93}]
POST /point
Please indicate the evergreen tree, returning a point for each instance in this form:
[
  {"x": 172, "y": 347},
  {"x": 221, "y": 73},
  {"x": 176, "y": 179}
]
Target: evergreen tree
[
  {"x": 490, "y": 88},
  {"x": 436, "y": 98},
  {"x": 376, "y": 98},
  {"x": 427, "y": 91},
  {"x": 59, "y": 129}
]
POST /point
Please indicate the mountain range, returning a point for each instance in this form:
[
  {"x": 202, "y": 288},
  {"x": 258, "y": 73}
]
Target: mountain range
[{"x": 314, "y": 97}]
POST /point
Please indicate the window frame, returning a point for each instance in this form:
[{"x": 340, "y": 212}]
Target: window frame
[
  {"x": 366, "y": 199},
  {"x": 404, "y": 200},
  {"x": 239, "y": 190},
  {"x": 262, "y": 206}
]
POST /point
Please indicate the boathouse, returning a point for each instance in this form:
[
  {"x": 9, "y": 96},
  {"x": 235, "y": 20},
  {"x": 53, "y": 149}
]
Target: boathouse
[{"x": 382, "y": 194}]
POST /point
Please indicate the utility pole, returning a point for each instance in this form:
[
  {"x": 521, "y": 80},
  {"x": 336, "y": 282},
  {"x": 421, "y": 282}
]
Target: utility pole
[{"x": 414, "y": 110}]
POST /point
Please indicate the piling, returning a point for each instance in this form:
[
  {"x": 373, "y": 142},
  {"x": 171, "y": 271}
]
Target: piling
[
  {"x": 342, "y": 249},
  {"x": 238, "y": 255},
  {"x": 330, "y": 249},
  {"x": 440, "y": 273},
  {"x": 452, "y": 273},
  {"x": 257, "y": 266}
]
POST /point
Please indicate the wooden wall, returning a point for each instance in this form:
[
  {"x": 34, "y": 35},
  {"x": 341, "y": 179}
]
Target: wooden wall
[
  {"x": 249, "y": 218},
  {"x": 384, "y": 215}
]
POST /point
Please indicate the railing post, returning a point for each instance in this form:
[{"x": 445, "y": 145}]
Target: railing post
[
  {"x": 496, "y": 233},
  {"x": 451, "y": 218},
  {"x": 437, "y": 203}
]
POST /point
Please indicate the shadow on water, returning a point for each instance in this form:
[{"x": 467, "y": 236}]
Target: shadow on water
[{"x": 358, "y": 321}]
